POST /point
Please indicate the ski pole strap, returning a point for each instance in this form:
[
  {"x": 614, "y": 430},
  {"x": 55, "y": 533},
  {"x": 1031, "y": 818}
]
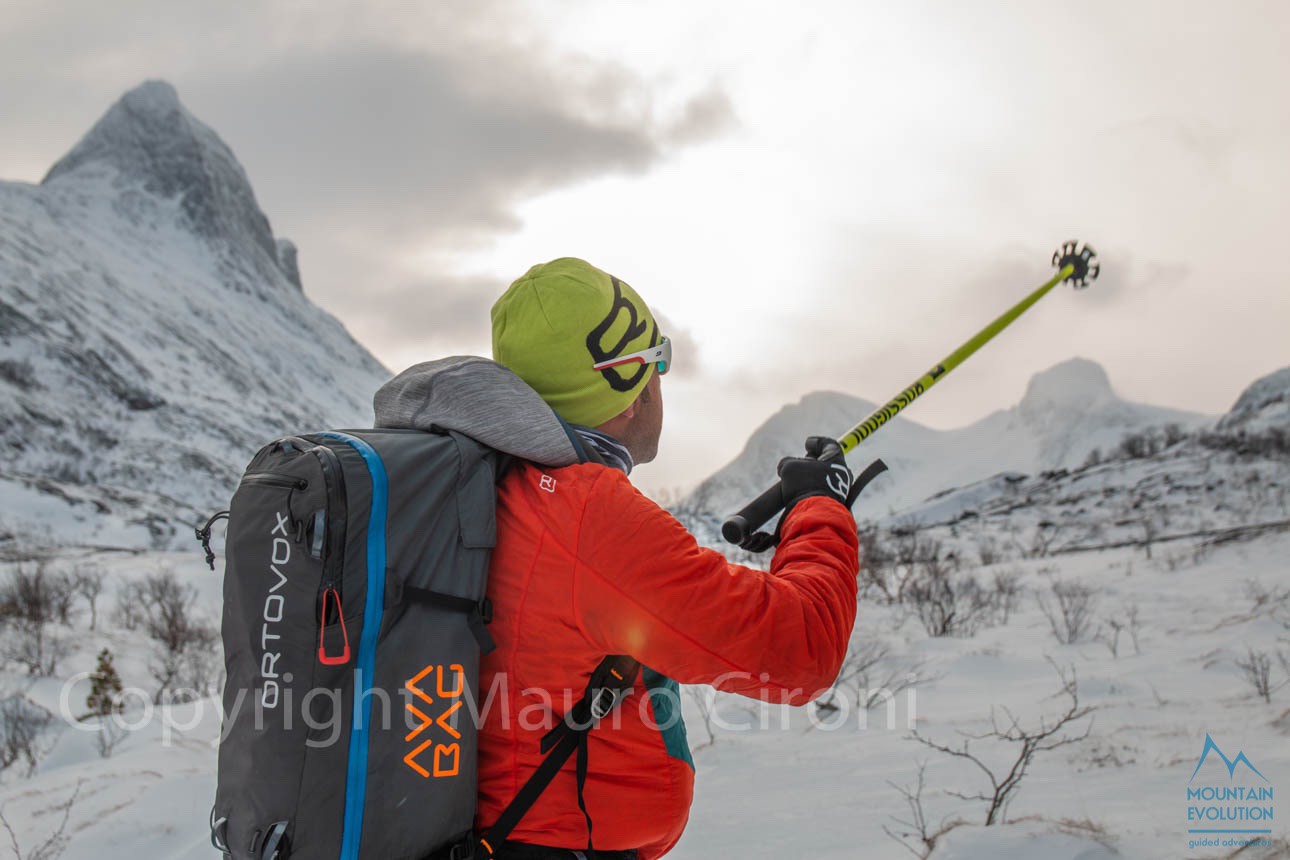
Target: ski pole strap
[
  {"x": 478, "y": 612},
  {"x": 611, "y": 680},
  {"x": 873, "y": 470}
]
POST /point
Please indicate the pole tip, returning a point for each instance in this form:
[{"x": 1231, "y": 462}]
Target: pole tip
[{"x": 1081, "y": 258}]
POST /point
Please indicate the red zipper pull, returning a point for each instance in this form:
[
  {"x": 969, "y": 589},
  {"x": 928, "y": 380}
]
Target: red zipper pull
[{"x": 323, "y": 657}]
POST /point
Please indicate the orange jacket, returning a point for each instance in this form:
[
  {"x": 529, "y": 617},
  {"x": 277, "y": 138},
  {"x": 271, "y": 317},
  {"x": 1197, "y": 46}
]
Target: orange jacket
[{"x": 586, "y": 566}]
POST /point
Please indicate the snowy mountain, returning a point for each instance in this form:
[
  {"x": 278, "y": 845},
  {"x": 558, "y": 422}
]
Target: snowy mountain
[
  {"x": 153, "y": 333},
  {"x": 1263, "y": 406},
  {"x": 1068, "y": 411}
]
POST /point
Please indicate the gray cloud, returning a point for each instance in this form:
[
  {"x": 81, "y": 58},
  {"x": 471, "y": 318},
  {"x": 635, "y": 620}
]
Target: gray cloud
[
  {"x": 373, "y": 155},
  {"x": 420, "y": 319},
  {"x": 383, "y": 155},
  {"x": 402, "y": 145}
]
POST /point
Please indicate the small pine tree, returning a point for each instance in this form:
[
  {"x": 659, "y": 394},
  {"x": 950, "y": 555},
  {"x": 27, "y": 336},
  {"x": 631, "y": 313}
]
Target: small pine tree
[{"x": 105, "y": 687}]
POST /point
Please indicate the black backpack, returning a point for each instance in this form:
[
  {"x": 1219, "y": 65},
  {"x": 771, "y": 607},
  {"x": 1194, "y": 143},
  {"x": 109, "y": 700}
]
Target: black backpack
[{"x": 350, "y": 707}]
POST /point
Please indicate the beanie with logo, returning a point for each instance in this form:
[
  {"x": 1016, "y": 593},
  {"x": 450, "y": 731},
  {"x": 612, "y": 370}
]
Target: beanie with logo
[{"x": 559, "y": 320}]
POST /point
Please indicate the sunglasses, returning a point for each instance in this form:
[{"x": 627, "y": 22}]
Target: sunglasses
[{"x": 660, "y": 355}]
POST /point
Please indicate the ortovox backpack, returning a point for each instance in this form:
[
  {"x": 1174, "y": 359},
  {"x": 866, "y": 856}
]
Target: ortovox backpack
[{"x": 354, "y": 618}]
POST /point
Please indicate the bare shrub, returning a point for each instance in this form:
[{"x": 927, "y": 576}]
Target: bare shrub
[
  {"x": 1267, "y": 600},
  {"x": 53, "y": 847},
  {"x": 910, "y": 543},
  {"x": 705, "y": 701},
  {"x": 1069, "y": 610},
  {"x": 1006, "y": 593},
  {"x": 1024, "y": 743},
  {"x": 1134, "y": 624},
  {"x": 183, "y": 660},
  {"x": 1174, "y": 433},
  {"x": 36, "y": 594},
  {"x": 1274, "y": 442},
  {"x": 877, "y": 565},
  {"x": 36, "y": 646},
  {"x": 1256, "y": 668},
  {"x": 1043, "y": 537},
  {"x": 196, "y": 672},
  {"x": 876, "y": 677},
  {"x": 988, "y": 550},
  {"x": 946, "y": 602},
  {"x": 88, "y": 583},
  {"x": 21, "y": 726},
  {"x": 110, "y": 735},
  {"x": 1111, "y": 637},
  {"x": 1139, "y": 446},
  {"x": 1118, "y": 624},
  {"x": 167, "y": 607},
  {"x": 916, "y": 834},
  {"x": 130, "y": 601}
]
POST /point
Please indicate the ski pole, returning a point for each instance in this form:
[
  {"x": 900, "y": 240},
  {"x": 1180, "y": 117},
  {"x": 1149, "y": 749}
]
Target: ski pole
[{"x": 1075, "y": 263}]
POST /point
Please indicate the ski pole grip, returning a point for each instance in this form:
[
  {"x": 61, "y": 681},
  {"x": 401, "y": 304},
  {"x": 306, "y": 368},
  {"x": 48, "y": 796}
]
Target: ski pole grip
[{"x": 753, "y": 515}]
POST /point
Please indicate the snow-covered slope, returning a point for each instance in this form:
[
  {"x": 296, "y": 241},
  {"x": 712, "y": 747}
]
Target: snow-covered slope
[
  {"x": 1262, "y": 406},
  {"x": 153, "y": 333},
  {"x": 1183, "y": 590},
  {"x": 1068, "y": 411}
]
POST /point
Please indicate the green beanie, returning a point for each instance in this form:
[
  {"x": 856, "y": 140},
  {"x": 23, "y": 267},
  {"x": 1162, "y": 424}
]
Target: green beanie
[{"x": 561, "y": 318}]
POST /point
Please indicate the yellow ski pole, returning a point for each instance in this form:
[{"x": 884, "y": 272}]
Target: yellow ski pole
[{"x": 1075, "y": 263}]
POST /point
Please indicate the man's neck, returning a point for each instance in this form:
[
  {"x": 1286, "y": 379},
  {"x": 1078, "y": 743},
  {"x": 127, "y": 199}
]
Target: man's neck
[{"x": 611, "y": 451}]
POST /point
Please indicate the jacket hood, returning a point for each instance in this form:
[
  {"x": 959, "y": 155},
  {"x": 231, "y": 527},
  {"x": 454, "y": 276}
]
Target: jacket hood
[{"x": 479, "y": 398}]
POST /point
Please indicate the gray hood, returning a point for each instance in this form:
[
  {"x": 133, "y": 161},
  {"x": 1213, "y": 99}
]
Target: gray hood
[{"x": 480, "y": 399}]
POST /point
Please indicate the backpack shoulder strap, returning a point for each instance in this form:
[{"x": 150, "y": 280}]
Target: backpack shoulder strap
[{"x": 610, "y": 682}]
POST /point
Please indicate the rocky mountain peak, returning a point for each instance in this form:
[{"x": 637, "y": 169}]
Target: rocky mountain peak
[{"x": 152, "y": 141}]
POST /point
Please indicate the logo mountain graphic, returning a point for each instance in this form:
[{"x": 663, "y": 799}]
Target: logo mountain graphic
[{"x": 1230, "y": 762}]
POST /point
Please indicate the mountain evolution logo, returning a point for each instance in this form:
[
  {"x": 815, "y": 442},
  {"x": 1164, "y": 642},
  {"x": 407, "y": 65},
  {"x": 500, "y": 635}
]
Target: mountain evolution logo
[{"x": 1231, "y": 815}]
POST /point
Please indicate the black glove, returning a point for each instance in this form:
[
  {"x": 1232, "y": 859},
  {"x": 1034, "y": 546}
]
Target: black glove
[{"x": 822, "y": 472}]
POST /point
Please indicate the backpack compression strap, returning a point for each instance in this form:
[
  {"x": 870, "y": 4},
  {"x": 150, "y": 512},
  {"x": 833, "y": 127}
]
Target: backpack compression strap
[
  {"x": 478, "y": 613},
  {"x": 610, "y": 682}
]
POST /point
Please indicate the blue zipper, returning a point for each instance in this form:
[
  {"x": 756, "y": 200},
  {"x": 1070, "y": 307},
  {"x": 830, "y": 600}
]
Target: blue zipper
[{"x": 373, "y": 612}]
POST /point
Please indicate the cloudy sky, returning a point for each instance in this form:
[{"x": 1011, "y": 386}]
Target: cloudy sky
[{"x": 812, "y": 195}]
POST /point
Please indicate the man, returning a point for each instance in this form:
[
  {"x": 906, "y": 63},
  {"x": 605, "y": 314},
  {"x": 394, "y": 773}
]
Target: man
[{"x": 585, "y": 566}]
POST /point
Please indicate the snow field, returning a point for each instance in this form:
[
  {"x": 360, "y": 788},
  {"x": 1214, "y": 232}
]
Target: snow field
[
  {"x": 1120, "y": 792},
  {"x": 808, "y": 783}
]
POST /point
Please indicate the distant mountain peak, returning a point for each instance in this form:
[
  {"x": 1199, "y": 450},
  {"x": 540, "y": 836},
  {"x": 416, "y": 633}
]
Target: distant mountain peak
[
  {"x": 1076, "y": 381},
  {"x": 151, "y": 140}
]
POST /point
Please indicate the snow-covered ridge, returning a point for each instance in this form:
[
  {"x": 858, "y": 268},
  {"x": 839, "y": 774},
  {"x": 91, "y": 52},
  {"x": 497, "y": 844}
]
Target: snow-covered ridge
[
  {"x": 152, "y": 335},
  {"x": 1265, "y": 404},
  {"x": 1068, "y": 411}
]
